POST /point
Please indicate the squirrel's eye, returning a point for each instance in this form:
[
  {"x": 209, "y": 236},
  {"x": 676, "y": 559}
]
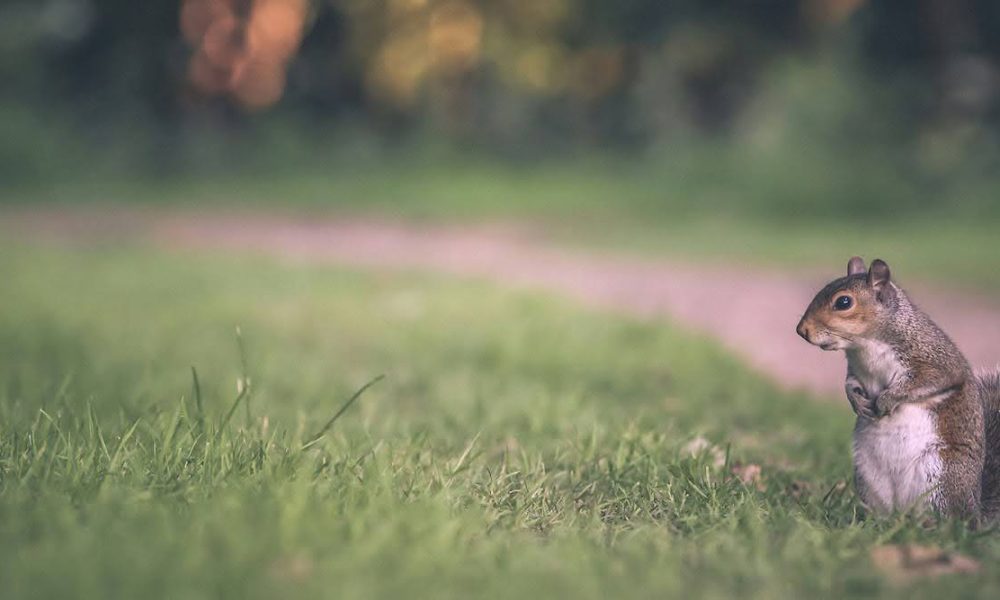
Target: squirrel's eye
[{"x": 843, "y": 303}]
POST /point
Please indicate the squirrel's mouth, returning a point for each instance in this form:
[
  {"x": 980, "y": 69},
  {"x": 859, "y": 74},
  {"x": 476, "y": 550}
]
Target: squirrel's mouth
[{"x": 830, "y": 346}]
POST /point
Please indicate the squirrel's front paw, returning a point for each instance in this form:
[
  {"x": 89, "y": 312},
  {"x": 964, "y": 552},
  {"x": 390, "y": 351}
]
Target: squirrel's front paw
[
  {"x": 885, "y": 404},
  {"x": 860, "y": 402}
]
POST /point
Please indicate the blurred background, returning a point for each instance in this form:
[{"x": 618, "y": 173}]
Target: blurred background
[
  {"x": 709, "y": 162},
  {"x": 778, "y": 110}
]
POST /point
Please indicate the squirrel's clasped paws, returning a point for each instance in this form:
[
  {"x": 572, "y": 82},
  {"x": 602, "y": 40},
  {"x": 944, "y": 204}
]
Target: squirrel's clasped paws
[
  {"x": 885, "y": 404},
  {"x": 862, "y": 405}
]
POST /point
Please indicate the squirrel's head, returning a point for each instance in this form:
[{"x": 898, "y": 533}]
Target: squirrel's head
[{"x": 851, "y": 308}]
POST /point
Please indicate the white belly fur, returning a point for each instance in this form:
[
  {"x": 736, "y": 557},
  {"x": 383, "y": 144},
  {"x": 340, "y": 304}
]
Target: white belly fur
[{"x": 898, "y": 459}]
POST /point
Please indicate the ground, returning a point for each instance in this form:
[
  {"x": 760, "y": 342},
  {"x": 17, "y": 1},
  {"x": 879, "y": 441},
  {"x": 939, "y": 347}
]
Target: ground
[
  {"x": 752, "y": 310},
  {"x": 790, "y": 210},
  {"x": 159, "y": 426}
]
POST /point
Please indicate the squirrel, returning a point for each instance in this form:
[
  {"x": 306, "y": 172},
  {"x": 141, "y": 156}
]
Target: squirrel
[{"x": 928, "y": 428}]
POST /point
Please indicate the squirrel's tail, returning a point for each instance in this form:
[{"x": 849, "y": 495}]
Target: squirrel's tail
[{"x": 989, "y": 393}]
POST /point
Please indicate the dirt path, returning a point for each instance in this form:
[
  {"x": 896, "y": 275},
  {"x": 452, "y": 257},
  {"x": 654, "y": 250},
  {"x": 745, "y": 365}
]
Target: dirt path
[{"x": 752, "y": 312}]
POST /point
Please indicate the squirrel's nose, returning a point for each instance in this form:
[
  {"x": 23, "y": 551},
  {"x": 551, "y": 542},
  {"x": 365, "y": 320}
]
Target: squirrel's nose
[{"x": 802, "y": 330}]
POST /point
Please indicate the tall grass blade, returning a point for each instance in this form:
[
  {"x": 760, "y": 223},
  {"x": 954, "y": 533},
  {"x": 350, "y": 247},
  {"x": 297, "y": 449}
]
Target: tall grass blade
[{"x": 342, "y": 410}]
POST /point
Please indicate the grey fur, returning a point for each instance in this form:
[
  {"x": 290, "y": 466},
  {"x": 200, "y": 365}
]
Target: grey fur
[
  {"x": 989, "y": 392},
  {"x": 929, "y": 370},
  {"x": 934, "y": 368}
]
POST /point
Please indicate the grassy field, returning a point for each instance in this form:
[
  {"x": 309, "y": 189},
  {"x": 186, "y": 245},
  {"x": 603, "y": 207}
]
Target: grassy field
[
  {"x": 773, "y": 210},
  {"x": 518, "y": 446}
]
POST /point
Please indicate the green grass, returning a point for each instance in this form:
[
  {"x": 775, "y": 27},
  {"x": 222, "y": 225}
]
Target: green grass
[
  {"x": 518, "y": 447},
  {"x": 733, "y": 204}
]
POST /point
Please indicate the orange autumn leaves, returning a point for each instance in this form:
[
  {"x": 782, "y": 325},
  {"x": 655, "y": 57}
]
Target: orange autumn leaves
[
  {"x": 242, "y": 48},
  {"x": 403, "y": 50},
  {"x": 416, "y": 41}
]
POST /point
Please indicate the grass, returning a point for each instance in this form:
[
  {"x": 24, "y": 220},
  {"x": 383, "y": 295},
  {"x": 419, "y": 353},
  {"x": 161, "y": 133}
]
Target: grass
[
  {"x": 734, "y": 204},
  {"x": 518, "y": 446},
  {"x": 819, "y": 165}
]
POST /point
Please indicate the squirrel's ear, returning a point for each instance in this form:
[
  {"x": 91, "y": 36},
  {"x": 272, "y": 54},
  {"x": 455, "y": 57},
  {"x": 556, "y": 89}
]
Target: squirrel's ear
[
  {"x": 855, "y": 265},
  {"x": 878, "y": 278}
]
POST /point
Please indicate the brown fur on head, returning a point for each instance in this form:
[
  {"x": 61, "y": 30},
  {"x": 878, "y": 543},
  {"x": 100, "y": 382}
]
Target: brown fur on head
[{"x": 849, "y": 309}]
